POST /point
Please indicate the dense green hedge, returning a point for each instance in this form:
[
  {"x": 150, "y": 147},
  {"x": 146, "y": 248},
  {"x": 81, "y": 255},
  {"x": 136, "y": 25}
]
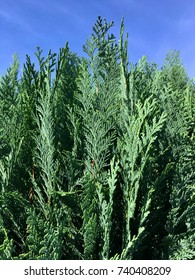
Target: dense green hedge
[{"x": 97, "y": 155}]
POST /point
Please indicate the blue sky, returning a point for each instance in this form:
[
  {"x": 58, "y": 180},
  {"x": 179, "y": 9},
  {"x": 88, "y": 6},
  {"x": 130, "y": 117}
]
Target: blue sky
[{"x": 154, "y": 27}]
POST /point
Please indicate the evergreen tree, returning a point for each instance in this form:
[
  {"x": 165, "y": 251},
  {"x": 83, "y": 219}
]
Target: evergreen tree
[{"x": 97, "y": 155}]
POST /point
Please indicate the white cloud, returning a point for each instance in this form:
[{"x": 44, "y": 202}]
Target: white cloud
[
  {"x": 15, "y": 19},
  {"x": 5, "y": 15}
]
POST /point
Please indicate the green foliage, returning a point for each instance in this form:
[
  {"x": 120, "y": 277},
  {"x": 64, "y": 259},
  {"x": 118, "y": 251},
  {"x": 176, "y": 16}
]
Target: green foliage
[
  {"x": 97, "y": 155},
  {"x": 6, "y": 248},
  {"x": 89, "y": 208},
  {"x": 106, "y": 208}
]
